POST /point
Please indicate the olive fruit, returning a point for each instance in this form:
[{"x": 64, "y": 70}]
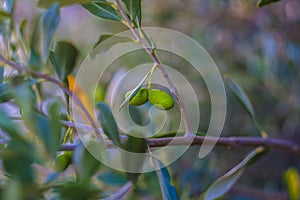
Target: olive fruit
[
  {"x": 161, "y": 99},
  {"x": 139, "y": 98},
  {"x": 62, "y": 161}
]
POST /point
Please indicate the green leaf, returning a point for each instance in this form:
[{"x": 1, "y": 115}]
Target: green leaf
[
  {"x": 262, "y": 3},
  {"x": 108, "y": 123},
  {"x": 5, "y": 92},
  {"x": 7, "y": 125},
  {"x": 43, "y": 128},
  {"x": 85, "y": 163},
  {"x": 292, "y": 180},
  {"x": 239, "y": 93},
  {"x": 167, "y": 189},
  {"x": 102, "y": 9},
  {"x": 134, "y": 162},
  {"x": 225, "y": 182},
  {"x": 48, "y": 3},
  {"x": 1, "y": 74},
  {"x": 113, "y": 178},
  {"x": 101, "y": 39},
  {"x": 50, "y": 21},
  {"x": 133, "y": 8},
  {"x": 63, "y": 59}
]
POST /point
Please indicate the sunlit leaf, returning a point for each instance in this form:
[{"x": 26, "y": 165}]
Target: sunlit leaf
[
  {"x": 7, "y": 5},
  {"x": 262, "y": 3},
  {"x": 48, "y": 3},
  {"x": 292, "y": 180},
  {"x": 50, "y": 22},
  {"x": 133, "y": 8},
  {"x": 225, "y": 182},
  {"x": 63, "y": 59},
  {"x": 102, "y": 9},
  {"x": 108, "y": 123},
  {"x": 167, "y": 189}
]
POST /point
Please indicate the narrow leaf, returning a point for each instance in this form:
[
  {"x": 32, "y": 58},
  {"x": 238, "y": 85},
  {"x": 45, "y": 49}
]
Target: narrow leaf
[
  {"x": 108, "y": 123},
  {"x": 225, "y": 182},
  {"x": 102, "y": 9},
  {"x": 135, "y": 90},
  {"x": 292, "y": 180},
  {"x": 113, "y": 178},
  {"x": 63, "y": 59},
  {"x": 168, "y": 190},
  {"x": 133, "y": 156},
  {"x": 85, "y": 163},
  {"x": 7, "y": 5},
  {"x": 133, "y": 8},
  {"x": 262, "y": 3},
  {"x": 50, "y": 22},
  {"x": 48, "y": 3},
  {"x": 239, "y": 93}
]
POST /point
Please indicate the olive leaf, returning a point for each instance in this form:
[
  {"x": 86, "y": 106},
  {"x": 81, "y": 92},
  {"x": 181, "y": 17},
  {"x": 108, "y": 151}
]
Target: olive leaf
[
  {"x": 8, "y": 6},
  {"x": 133, "y": 8},
  {"x": 225, "y": 182},
  {"x": 102, "y": 9},
  {"x": 113, "y": 178},
  {"x": 108, "y": 123},
  {"x": 63, "y": 59},
  {"x": 50, "y": 21},
  {"x": 167, "y": 189},
  {"x": 262, "y": 3},
  {"x": 48, "y": 3}
]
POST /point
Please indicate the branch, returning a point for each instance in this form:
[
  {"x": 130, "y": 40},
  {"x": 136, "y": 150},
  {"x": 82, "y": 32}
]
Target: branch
[
  {"x": 233, "y": 142},
  {"x": 118, "y": 195},
  {"x": 156, "y": 61},
  {"x": 56, "y": 82}
]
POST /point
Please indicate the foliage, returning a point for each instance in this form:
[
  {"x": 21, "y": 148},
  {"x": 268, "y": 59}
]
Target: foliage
[{"x": 44, "y": 158}]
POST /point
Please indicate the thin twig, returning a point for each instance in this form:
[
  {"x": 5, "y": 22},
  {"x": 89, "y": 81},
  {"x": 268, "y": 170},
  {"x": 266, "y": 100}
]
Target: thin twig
[
  {"x": 156, "y": 61},
  {"x": 120, "y": 193},
  {"x": 59, "y": 84},
  {"x": 233, "y": 142}
]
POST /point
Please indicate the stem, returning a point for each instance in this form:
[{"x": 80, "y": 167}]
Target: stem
[
  {"x": 118, "y": 195},
  {"x": 56, "y": 82},
  {"x": 151, "y": 53},
  {"x": 233, "y": 142}
]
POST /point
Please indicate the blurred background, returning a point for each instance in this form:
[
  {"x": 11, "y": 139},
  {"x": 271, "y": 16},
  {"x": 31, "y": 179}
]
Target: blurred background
[{"x": 259, "y": 48}]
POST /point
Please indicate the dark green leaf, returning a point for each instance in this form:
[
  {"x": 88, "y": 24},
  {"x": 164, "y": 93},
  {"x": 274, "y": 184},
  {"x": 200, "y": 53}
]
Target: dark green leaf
[
  {"x": 167, "y": 189},
  {"x": 50, "y": 21},
  {"x": 113, "y": 178},
  {"x": 225, "y": 182},
  {"x": 63, "y": 59},
  {"x": 102, "y": 9},
  {"x": 133, "y": 8},
  {"x": 48, "y": 3},
  {"x": 42, "y": 127},
  {"x": 1, "y": 74},
  {"x": 108, "y": 123},
  {"x": 134, "y": 162},
  {"x": 85, "y": 163},
  {"x": 262, "y": 3},
  {"x": 239, "y": 93},
  {"x": 5, "y": 92},
  {"x": 101, "y": 39},
  {"x": 7, "y": 125}
]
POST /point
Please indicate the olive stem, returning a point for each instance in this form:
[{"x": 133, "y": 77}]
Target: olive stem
[
  {"x": 150, "y": 78},
  {"x": 59, "y": 84},
  {"x": 151, "y": 52}
]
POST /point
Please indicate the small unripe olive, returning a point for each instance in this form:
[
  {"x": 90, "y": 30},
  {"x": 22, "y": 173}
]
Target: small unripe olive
[
  {"x": 62, "y": 161},
  {"x": 161, "y": 99},
  {"x": 139, "y": 98}
]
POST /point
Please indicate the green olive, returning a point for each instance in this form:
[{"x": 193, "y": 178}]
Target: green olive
[
  {"x": 62, "y": 161},
  {"x": 139, "y": 98},
  {"x": 161, "y": 99}
]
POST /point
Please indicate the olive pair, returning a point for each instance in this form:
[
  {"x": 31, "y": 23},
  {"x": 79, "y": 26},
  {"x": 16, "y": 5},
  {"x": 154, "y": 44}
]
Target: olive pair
[{"x": 156, "y": 97}]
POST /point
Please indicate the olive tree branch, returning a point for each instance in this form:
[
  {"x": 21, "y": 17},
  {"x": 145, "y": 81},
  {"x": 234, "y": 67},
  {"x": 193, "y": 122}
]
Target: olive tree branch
[
  {"x": 150, "y": 51},
  {"x": 56, "y": 82}
]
